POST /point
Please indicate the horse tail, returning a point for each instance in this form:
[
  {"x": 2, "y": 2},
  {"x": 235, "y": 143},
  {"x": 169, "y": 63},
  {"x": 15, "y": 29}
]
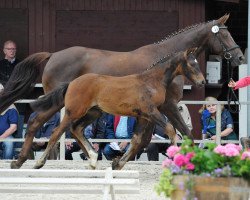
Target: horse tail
[
  {"x": 56, "y": 97},
  {"x": 22, "y": 79}
]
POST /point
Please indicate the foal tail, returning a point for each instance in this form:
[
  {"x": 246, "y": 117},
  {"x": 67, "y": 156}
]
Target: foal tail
[
  {"x": 56, "y": 97},
  {"x": 22, "y": 79}
]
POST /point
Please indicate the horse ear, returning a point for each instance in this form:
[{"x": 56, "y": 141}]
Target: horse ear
[
  {"x": 223, "y": 19},
  {"x": 191, "y": 50}
]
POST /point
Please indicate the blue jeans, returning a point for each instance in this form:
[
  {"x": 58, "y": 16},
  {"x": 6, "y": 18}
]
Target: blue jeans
[
  {"x": 7, "y": 149},
  {"x": 109, "y": 153}
]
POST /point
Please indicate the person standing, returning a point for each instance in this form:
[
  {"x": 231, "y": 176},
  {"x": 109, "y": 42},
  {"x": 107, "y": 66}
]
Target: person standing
[
  {"x": 9, "y": 62},
  {"x": 243, "y": 82}
]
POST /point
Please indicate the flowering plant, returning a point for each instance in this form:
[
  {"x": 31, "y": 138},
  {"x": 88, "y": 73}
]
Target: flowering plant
[{"x": 217, "y": 161}]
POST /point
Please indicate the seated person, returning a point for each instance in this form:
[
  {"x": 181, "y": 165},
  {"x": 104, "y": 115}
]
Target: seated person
[
  {"x": 208, "y": 120},
  {"x": 245, "y": 142},
  {"x": 8, "y": 126},
  {"x": 45, "y": 133},
  {"x": 118, "y": 127},
  {"x": 95, "y": 130},
  {"x": 153, "y": 149}
]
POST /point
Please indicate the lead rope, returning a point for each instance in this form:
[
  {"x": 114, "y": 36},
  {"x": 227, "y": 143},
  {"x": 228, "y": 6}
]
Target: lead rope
[{"x": 231, "y": 96}]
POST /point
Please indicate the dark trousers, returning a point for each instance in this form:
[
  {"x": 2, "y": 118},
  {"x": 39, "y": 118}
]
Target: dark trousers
[
  {"x": 75, "y": 148},
  {"x": 154, "y": 149}
]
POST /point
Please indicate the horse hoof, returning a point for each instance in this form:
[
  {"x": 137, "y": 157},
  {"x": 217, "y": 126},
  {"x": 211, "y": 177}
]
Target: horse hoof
[
  {"x": 115, "y": 164},
  {"x": 15, "y": 165},
  {"x": 93, "y": 159},
  {"x": 38, "y": 165}
]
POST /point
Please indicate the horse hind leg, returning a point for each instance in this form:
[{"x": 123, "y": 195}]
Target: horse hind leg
[
  {"x": 141, "y": 138},
  {"x": 57, "y": 133},
  {"x": 77, "y": 132},
  {"x": 85, "y": 145},
  {"x": 33, "y": 126}
]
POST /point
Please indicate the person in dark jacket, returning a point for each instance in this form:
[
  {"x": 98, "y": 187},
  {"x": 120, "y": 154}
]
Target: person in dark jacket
[
  {"x": 118, "y": 127},
  {"x": 9, "y": 62},
  {"x": 44, "y": 133}
]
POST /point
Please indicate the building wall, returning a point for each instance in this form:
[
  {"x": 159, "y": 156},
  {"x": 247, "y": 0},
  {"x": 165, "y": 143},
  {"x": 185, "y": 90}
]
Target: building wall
[{"x": 49, "y": 26}]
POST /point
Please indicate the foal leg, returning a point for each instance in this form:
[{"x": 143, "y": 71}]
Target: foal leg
[
  {"x": 170, "y": 109},
  {"x": 33, "y": 126},
  {"x": 57, "y": 133},
  {"x": 141, "y": 138},
  {"x": 159, "y": 119},
  {"x": 77, "y": 132}
]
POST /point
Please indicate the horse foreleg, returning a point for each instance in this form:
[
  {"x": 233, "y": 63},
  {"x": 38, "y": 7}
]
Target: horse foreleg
[
  {"x": 57, "y": 133},
  {"x": 141, "y": 138},
  {"x": 33, "y": 126},
  {"x": 170, "y": 109},
  {"x": 171, "y": 133}
]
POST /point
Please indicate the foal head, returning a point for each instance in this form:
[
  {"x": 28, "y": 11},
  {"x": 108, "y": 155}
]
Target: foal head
[{"x": 190, "y": 68}]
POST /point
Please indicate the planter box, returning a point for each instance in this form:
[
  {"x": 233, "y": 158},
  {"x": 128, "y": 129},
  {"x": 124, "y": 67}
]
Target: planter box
[{"x": 211, "y": 188}]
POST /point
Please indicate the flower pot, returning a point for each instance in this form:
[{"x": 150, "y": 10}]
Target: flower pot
[{"x": 211, "y": 188}]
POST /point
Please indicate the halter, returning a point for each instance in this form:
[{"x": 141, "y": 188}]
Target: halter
[
  {"x": 227, "y": 55},
  {"x": 216, "y": 29}
]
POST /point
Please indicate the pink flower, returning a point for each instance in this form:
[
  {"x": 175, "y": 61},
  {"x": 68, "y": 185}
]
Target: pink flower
[
  {"x": 190, "y": 155},
  {"x": 172, "y": 150},
  {"x": 231, "y": 152},
  {"x": 245, "y": 155},
  {"x": 190, "y": 166},
  {"x": 238, "y": 147},
  {"x": 180, "y": 160},
  {"x": 220, "y": 149},
  {"x": 167, "y": 163}
]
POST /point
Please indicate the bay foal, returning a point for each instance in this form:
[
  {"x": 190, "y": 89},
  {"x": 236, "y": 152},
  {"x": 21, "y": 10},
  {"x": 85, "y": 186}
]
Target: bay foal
[{"x": 137, "y": 95}]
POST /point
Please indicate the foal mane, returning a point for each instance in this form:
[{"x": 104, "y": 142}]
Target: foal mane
[
  {"x": 188, "y": 28},
  {"x": 162, "y": 60}
]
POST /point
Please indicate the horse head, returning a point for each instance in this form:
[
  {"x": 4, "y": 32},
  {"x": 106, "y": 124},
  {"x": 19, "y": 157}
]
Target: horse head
[
  {"x": 191, "y": 70},
  {"x": 222, "y": 43}
]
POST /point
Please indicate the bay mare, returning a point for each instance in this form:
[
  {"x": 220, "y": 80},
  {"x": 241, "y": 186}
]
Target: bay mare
[
  {"x": 68, "y": 64},
  {"x": 137, "y": 95}
]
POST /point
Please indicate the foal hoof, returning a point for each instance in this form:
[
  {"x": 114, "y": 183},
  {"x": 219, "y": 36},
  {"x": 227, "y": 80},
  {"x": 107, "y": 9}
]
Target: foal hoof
[
  {"x": 93, "y": 159},
  {"x": 15, "y": 165},
  {"x": 38, "y": 165}
]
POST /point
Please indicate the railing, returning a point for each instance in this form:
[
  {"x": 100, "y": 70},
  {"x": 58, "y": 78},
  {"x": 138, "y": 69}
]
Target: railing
[{"x": 218, "y": 128}]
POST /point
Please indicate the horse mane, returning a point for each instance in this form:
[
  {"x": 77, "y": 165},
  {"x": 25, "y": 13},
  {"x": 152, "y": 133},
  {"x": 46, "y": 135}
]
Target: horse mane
[{"x": 188, "y": 28}]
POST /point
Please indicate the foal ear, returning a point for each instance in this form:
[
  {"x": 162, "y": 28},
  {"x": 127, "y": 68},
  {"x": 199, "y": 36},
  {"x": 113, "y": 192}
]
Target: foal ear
[
  {"x": 223, "y": 19},
  {"x": 191, "y": 51}
]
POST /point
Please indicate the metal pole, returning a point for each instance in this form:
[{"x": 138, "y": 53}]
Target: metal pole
[
  {"x": 248, "y": 58},
  {"x": 218, "y": 124},
  {"x": 62, "y": 139}
]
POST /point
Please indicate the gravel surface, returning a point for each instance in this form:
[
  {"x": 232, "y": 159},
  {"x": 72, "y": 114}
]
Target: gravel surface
[{"x": 149, "y": 175}]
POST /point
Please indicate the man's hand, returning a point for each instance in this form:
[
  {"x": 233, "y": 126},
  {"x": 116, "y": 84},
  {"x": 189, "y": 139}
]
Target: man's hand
[
  {"x": 41, "y": 143},
  {"x": 123, "y": 145},
  {"x": 96, "y": 147},
  {"x": 69, "y": 145}
]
